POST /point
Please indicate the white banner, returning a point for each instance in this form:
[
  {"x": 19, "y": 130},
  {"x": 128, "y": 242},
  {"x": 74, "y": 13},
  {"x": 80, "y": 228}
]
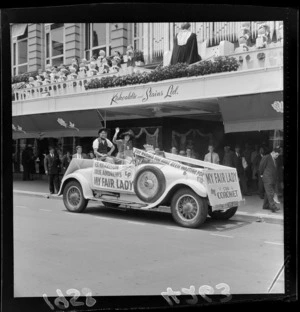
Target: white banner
[
  {"x": 222, "y": 187},
  {"x": 113, "y": 178}
]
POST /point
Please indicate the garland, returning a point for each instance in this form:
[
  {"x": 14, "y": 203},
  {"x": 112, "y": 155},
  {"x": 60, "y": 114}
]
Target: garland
[{"x": 219, "y": 65}]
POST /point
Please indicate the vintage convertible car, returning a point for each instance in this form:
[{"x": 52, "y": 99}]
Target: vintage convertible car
[{"x": 191, "y": 188}]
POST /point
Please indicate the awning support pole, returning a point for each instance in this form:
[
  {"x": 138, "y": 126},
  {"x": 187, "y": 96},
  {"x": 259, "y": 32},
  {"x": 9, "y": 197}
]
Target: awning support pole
[{"x": 102, "y": 118}]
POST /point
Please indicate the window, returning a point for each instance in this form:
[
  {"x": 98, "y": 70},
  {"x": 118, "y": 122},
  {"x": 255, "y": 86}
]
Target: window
[
  {"x": 20, "y": 54},
  {"x": 137, "y": 36},
  {"x": 97, "y": 37},
  {"x": 55, "y": 46}
]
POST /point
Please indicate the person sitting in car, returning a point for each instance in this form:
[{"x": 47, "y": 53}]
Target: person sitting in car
[
  {"x": 124, "y": 145},
  {"x": 103, "y": 147}
]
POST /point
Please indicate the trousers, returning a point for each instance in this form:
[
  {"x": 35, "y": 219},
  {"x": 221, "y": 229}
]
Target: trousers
[
  {"x": 269, "y": 196},
  {"x": 53, "y": 182}
]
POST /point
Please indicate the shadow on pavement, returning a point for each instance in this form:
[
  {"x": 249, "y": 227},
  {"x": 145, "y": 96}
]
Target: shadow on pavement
[{"x": 161, "y": 218}]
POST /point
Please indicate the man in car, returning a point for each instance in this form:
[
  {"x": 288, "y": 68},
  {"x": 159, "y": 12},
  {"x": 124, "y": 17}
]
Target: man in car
[{"x": 103, "y": 147}]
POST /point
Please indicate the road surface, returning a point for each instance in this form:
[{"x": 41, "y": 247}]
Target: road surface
[{"x": 115, "y": 252}]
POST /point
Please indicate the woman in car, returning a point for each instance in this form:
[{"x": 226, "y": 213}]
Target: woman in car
[{"x": 124, "y": 145}]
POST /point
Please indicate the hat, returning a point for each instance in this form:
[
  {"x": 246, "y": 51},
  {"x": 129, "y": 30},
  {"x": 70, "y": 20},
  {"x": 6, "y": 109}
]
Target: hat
[
  {"x": 129, "y": 132},
  {"x": 102, "y": 129},
  {"x": 78, "y": 146}
]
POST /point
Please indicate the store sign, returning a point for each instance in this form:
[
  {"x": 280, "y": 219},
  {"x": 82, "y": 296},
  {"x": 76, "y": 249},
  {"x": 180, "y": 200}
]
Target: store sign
[
  {"x": 145, "y": 95},
  {"x": 114, "y": 178},
  {"x": 222, "y": 186}
]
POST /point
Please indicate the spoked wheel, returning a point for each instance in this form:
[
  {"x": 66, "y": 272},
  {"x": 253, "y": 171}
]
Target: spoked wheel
[
  {"x": 222, "y": 214},
  {"x": 188, "y": 208},
  {"x": 73, "y": 197}
]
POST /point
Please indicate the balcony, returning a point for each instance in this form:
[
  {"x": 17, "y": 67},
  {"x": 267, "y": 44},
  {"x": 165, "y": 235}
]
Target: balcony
[{"x": 260, "y": 62}]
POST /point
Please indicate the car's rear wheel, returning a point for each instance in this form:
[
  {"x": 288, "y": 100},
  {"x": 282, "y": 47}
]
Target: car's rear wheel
[
  {"x": 222, "y": 215},
  {"x": 188, "y": 209},
  {"x": 110, "y": 205},
  {"x": 73, "y": 197},
  {"x": 149, "y": 184}
]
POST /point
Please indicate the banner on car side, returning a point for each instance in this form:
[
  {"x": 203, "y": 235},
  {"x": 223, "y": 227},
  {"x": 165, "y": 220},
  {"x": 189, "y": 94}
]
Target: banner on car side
[{"x": 114, "y": 178}]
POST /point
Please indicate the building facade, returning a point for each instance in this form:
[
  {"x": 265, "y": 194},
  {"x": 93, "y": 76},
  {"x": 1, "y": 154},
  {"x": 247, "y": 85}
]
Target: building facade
[{"x": 233, "y": 107}]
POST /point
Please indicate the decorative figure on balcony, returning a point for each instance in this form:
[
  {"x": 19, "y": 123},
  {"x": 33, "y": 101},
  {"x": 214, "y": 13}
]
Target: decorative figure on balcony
[
  {"x": 130, "y": 56},
  {"x": 72, "y": 75},
  {"x": 119, "y": 58},
  {"x": 244, "y": 35},
  {"x": 38, "y": 81},
  {"x": 82, "y": 71},
  {"x": 62, "y": 76},
  {"x": 106, "y": 65},
  {"x": 31, "y": 83},
  {"x": 115, "y": 68},
  {"x": 85, "y": 62},
  {"x": 262, "y": 36},
  {"x": 93, "y": 71},
  {"x": 185, "y": 48},
  {"x": 75, "y": 64},
  {"x": 100, "y": 60}
]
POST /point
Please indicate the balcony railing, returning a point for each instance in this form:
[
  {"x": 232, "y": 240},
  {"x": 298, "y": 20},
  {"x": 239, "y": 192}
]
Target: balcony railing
[
  {"x": 254, "y": 59},
  {"x": 63, "y": 88}
]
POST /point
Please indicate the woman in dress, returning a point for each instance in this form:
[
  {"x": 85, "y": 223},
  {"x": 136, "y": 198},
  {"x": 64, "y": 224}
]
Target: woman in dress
[
  {"x": 185, "y": 48},
  {"x": 125, "y": 146}
]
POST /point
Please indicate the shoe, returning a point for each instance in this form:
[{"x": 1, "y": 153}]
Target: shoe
[
  {"x": 267, "y": 208},
  {"x": 275, "y": 209}
]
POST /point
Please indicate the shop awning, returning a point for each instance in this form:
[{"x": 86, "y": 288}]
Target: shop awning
[
  {"x": 18, "y": 30},
  {"x": 255, "y": 112},
  {"x": 55, "y": 125}
]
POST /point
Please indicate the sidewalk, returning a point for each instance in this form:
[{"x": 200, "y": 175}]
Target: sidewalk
[{"x": 250, "y": 209}]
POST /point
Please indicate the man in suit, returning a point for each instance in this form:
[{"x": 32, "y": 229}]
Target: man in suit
[
  {"x": 79, "y": 154},
  {"x": 238, "y": 165},
  {"x": 52, "y": 168},
  {"x": 269, "y": 175}
]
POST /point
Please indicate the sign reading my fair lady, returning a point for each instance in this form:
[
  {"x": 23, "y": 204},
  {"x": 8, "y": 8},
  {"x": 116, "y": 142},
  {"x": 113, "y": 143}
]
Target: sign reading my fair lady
[
  {"x": 145, "y": 95},
  {"x": 222, "y": 187},
  {"x": 115, "y": 178}
]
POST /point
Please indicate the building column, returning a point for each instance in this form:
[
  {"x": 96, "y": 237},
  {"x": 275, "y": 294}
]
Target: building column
[
  {"x": 119, "y": 37},
  {"x": 35, "y": 61},
  {"x": 72, "y": 42}
]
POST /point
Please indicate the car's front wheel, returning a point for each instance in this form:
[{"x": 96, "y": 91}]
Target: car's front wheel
[
  {"x": 188, "y": 209},
  {"x": 73, "y": 197},
  {"x": 222, "y": 215}
]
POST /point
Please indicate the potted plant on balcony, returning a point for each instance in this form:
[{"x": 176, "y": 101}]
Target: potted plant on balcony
[{"x": 139, "y": 58}]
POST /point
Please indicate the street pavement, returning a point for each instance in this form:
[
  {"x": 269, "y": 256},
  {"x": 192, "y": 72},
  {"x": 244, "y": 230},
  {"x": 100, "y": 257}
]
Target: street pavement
[{"x": 116, "y": 252}]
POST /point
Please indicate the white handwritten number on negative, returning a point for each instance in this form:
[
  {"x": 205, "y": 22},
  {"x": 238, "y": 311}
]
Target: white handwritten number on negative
[
  {"x": 206, "y": 290},
  {"x": 225, "y": 292},
  {"x": 62, "y": 303},
  {"x": 190, "y": 291},
  {"x": 171, "y": 293}
]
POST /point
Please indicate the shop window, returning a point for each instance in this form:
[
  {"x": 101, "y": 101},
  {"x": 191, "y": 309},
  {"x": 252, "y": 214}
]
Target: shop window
[
  {"x": 20, "y": 54},
  {"x": 55, "y": 44},
  {"x": 97, "y": 37}
]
